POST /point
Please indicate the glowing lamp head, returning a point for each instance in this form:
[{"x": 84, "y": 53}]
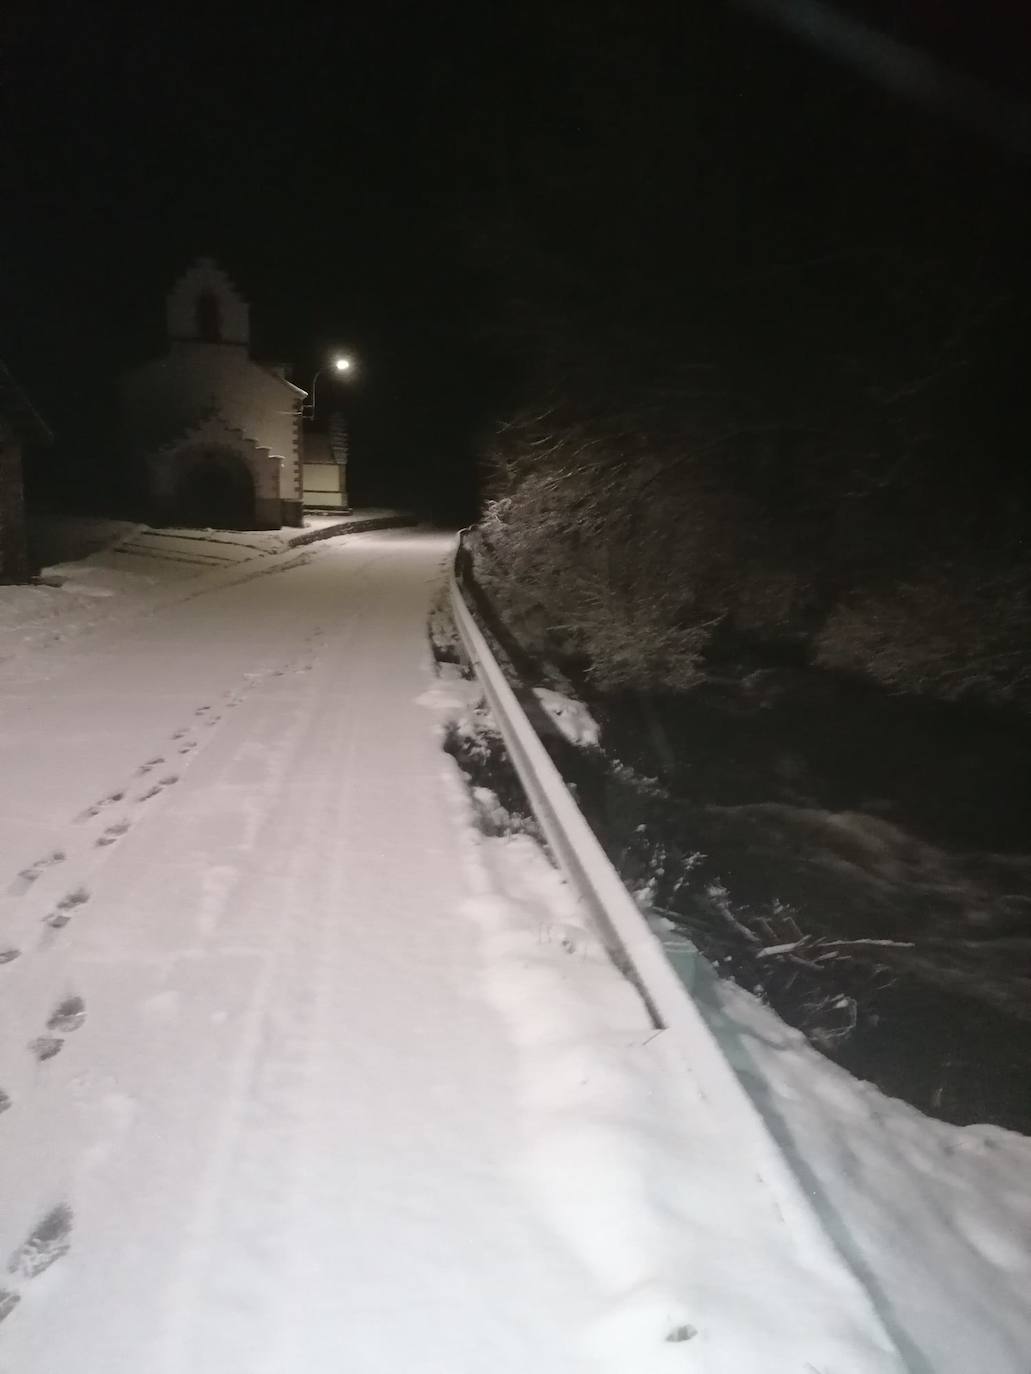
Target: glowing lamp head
[{"x": 342, "y": 364}]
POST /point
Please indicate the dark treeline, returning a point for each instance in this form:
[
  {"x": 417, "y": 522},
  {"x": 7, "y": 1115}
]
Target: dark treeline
[{"x": 769, "y": 321}]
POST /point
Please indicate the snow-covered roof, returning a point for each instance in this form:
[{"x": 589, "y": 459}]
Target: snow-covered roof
[{"x": 276, "y": 370}]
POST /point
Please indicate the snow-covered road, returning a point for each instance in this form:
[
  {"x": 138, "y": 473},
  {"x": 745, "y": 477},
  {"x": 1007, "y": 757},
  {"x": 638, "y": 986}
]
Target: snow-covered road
[
  {"x": 261, "y": 881},
  {"x": 275, "y": 1053}
]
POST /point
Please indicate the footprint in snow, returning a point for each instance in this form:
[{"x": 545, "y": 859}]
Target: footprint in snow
[
  {"x": 29, "y": 875},
  {"x": 97, "y": 807},
  {"x": 8, "y": 1302},
  {"x": 5, "y": 1101},
  {"x": 113, "y": 833},
  {"x": 679, "y": 1334},
  {"x": 45, "y": 1047},
  {"x": 44, "y": 1245},
  {"x": 7, "y": 955},
  {"x": 159, "y": 786},
  {"x": 62, "y": 913},
  {"x": 145, "y": 768},
  {"x": 188, "y": 747},
  {"x": 68, "y": 1015}
]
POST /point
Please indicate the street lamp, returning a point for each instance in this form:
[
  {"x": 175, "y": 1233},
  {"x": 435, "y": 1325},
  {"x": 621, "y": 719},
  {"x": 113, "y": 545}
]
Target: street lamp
[
  {"x": 328, "y": 490},
  {"x": 341, "y": 365}
]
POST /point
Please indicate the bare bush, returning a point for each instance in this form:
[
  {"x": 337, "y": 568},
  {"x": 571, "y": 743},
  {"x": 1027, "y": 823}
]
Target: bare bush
[
  {"x": 953, "y": 632},
  {"x": 609, "y": 543}
]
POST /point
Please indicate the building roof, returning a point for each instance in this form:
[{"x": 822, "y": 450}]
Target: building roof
[
  {"x": 16, "y": 407},
  {"x": 179, "y": 347},
  {"x": 278, "y": 370}
]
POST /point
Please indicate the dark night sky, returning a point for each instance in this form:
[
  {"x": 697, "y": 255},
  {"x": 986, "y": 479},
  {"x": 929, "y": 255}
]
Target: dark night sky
[
  {"x": 357, "y": 169},
  {"x": 329, "y": 160}
]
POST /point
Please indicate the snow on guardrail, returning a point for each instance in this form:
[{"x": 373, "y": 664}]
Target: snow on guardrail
[{"x": 640, "y": 957}]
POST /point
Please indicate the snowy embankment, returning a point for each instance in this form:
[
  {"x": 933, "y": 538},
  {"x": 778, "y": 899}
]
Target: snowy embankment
[{"x": 934, "y": 1219}]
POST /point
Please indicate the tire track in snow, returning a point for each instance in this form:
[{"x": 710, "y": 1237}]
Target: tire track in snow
[
  {"x": 272, "y": 1168},
  {"x": 244, "y": 1195}
]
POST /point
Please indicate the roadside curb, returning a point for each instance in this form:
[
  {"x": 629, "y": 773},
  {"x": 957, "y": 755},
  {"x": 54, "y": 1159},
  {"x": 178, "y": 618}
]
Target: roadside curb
[{"x": 387, "y": 521}]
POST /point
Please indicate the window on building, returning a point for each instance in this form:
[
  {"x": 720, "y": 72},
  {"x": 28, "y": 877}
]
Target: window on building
[{"x": 209, "y": 317}]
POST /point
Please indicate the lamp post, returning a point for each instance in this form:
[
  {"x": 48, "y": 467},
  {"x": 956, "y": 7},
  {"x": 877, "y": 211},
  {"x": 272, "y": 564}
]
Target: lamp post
[
  {"x": 330, "y": 490},
  {"x": 341, "y": 365}
]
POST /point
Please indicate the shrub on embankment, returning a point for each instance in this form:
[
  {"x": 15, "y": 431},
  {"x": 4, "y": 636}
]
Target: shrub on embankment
[{"x": 639, "y": 545}]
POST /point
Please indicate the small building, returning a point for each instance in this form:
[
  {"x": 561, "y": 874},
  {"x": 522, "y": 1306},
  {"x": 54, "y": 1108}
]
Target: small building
[
  {"x": 20, "y": 428},
  {"x": 325, "y": 468},
  {"x": 216, "y": 435}
]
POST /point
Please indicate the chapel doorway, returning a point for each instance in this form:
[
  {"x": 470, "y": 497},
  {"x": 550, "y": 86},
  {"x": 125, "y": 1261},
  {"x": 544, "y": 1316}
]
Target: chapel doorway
[{"x": 215, "y": 489}]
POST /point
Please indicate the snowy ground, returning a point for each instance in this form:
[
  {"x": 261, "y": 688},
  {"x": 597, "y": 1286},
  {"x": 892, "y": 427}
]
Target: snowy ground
[
  {"x": 299, "y": 1073},
  {"x": 103, "y": 571},
  {"x": 935, "y": 1218}
]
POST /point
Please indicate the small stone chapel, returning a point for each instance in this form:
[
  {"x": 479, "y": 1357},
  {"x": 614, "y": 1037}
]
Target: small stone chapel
[{"x": 216, "y": 435}]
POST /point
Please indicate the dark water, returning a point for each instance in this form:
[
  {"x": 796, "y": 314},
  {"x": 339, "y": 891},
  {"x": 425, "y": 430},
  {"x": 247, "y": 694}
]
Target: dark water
[{"x": 862, "y": 861}]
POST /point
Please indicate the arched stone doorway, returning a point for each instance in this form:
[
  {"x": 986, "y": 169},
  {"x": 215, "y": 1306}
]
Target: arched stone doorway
[{"x": 213, "y": 487}]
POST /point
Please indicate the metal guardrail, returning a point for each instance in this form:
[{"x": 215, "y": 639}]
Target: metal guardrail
[
  {"x": 623, "y": 929},
  {"x": 639, "y": 955}
]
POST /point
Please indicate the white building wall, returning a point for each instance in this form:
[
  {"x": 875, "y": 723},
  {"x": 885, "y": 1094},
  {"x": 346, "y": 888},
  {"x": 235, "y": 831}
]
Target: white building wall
[
  {"x": 196, "y": 379},
  {"x": 205, "y": 278},
  {"x": 214, "y": 435},
  {"x": 208, "y": 373}
]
